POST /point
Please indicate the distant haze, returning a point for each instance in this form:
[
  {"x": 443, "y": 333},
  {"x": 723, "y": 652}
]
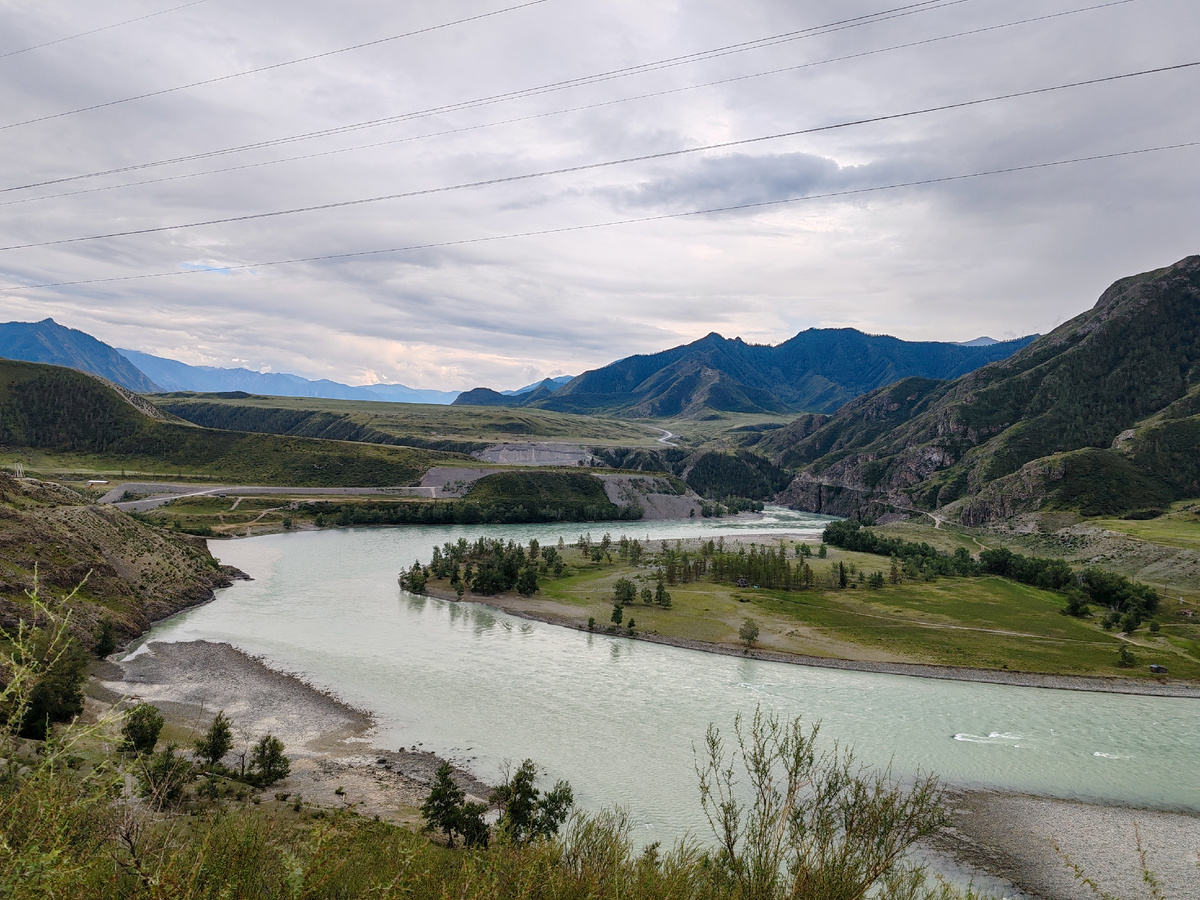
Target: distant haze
[{"x": 1003, "y": 255}]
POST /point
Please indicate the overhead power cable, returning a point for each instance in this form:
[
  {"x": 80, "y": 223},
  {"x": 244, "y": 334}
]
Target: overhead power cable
[
  {"x": 72, "y": 37},
  {"x": 666, "y": 154},
  {"x": 568, "y": 229},
  {"x": 559, "y": 112},
  {"x": 596, "y": 78},
  {"x": 274, "y": 66}
]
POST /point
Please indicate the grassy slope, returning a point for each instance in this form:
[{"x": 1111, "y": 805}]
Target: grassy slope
[
  {"x": 987, "y": 623},
  {"x": 430, "y": 422},
  {"x": 58, "y": 420},
  {"x": 134, "y": 573}
]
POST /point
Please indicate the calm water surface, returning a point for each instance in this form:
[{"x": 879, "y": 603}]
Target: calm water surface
[{"x": 618, "y": 717}]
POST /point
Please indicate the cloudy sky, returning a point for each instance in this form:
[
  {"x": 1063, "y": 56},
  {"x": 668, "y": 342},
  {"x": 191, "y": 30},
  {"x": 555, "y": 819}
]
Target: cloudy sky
[{"x": 507, "y": 281}]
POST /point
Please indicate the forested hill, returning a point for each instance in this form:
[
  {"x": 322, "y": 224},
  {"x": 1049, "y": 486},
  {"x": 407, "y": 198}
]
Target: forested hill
[
  {"x": 48, "y": 342},
  {"x": 818, "y": 370},
  {"x": 1101, "y": 415},
  {"x": 61, "y": 410}
]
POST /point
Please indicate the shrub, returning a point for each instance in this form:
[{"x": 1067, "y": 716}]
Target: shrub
[
  {"x": 217, "y": 741},
  {"x": 267, "y": 762},
  {"x": 141, "y": 729}
]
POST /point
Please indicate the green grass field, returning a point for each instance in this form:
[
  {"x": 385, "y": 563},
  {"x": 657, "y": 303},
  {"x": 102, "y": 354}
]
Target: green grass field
[
  {"x": 429, "y": 421},
  {"x": 987, "y": 623},
  {"x": 1180, "y": 527}
]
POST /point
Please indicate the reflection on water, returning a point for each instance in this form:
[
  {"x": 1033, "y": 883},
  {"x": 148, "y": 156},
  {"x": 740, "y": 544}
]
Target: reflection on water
[{"x": 618, "y": 717}]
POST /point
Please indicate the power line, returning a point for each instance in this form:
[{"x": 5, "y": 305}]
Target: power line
[
  {"x": 585, "y": 107},
  {"x": 596, "y": 78},
  {"x": 72, "y": 37},
  {"x": 273, "y": 66},
  {"x": 666, "y": 154},
  {"x": 831, "y": 195}
]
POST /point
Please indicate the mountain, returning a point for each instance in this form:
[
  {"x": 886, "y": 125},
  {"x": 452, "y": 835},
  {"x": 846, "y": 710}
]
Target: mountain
[
  {"x": 979, "y": 342},
  {"x": 1102, "y": 415},
  {"x": 817, "y": 370},
  {"x": 48, "y": 342},
  {"x": 553, "y": 384},
  {"x": 176, "y": 376}
]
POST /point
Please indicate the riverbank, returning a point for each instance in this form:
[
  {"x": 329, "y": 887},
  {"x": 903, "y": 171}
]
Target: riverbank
[
  {"x": 333, "y": 758},
  {"x": 1002, "y": 840},
  {"x": 563, "y": 614},
  {"x": 1031, "y": 842}
]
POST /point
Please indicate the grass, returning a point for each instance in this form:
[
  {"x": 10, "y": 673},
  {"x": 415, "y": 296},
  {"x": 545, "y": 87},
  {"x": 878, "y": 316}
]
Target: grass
[
  {"x": 1179, "y": 527},
  {"x": 986, "y": 623},
  {"x": 429, "y": 421}
]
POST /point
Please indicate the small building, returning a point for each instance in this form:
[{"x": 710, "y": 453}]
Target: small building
[
  {"x": 96, "y": 482},
  {"x": 1156, "y": 669}
]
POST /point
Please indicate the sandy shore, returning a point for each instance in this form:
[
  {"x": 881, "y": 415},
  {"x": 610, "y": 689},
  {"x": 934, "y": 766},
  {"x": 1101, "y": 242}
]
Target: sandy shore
[
  {"x": 328, "y": 742},
  {"x": 554, "y": 613},
  {"x": 1014, "y": 837}
]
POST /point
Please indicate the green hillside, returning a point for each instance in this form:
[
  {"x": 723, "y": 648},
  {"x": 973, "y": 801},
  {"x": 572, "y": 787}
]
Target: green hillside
[
  {"x": 429, "y": 426},
  {"x": 73, "y": 415},
  {"x": 1102, "y": 415}
]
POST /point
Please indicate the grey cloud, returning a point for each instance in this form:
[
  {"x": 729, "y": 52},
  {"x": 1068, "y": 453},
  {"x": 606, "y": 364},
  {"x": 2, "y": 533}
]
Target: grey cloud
[{"x": 1009, "y": 254}]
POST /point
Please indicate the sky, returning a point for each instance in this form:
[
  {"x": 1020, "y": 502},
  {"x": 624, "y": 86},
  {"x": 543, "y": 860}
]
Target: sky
[{"x": 548, "y": 204}]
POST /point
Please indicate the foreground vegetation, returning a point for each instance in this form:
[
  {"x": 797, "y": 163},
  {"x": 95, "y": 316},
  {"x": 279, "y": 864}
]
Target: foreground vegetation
[{"x": 815, "y": 825}]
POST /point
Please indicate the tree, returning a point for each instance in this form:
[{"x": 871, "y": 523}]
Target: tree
[
  {"x": 748, "y": 633},
  {"x": 140, "y": 731},
  {"x": 414, "y": 579},
  {"x": 472, "y": 825},
  {"x": 442, "y": 809},
  {"x": 822, "y": 552},
  {"x": 842, "y": 580},
  {"x": 267, "y": 762},
  {"x": 106, "y": 638},
  {"x": 217, "y": 741},
  {"x": 661, "y": 596},
  {"x": 647, "y": 596},
  {"x": 57, "y": 694},
  {"x": 1125, "y": 659},
  {"x": 527, "y": 582},
  {"x": 618, "y": 614},
  {"x": 624, "y": 592},
  {"x": 526, "y": 813},
  {"x": 818, "y": 824}
]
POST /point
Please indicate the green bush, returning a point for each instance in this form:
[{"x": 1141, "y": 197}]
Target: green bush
[{"x": 141, "y": 729}]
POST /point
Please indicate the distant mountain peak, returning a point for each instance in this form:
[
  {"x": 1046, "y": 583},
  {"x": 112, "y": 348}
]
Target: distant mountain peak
[
  {"x": 979, "y": 342},
  {"x": 49, "y": 342}
]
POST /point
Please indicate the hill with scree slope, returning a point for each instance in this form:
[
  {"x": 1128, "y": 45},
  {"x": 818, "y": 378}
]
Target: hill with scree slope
[
  {"x": 1102, "y": 415},
  {"x": 818, "y": 370},
  {"x": 131, "y": 573},
  {"x": 50, "y": 408}
]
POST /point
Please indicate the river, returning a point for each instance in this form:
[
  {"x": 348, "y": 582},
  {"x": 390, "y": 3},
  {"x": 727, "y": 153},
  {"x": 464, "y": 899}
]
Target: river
[{"x": 618, "y": 717}]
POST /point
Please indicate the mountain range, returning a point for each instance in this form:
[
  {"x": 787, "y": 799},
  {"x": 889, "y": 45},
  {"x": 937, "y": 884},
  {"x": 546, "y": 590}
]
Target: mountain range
[
  {"x": 1101, "y": 415},
  {"x": 48, "y": 342},
  {"x": 818, "y": 370}
]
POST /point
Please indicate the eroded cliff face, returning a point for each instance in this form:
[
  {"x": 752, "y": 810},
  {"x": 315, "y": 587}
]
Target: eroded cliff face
[{"x": 125, "y": 571}]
